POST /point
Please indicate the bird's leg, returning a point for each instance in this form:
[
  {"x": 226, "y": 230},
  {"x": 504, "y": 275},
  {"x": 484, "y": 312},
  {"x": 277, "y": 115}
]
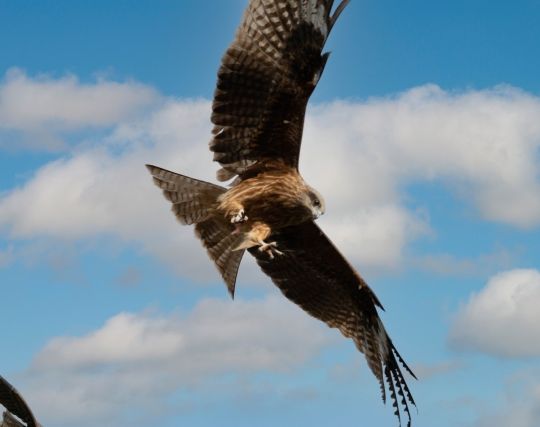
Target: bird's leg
[
  {"x": 256, "y": 237},
  {"x": 269, "y": 248},
  {"x": 259, "y": 233}
]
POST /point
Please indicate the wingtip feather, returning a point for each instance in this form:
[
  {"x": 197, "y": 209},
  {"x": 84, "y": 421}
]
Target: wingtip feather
[{"x": 338, "y": 12}]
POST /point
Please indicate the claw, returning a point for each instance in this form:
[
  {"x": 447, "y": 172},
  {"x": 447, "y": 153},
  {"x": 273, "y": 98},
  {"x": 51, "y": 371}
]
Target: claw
[
  {"x": 270, "y": 249},
  {"x": 239, "y": 217}
]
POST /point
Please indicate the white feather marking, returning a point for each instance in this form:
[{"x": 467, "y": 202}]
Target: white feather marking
[{"x": 318, "y": 18}]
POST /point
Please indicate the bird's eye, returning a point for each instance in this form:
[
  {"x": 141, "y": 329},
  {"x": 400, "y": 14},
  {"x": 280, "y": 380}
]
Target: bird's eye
[{"x": 317, "y": 203}]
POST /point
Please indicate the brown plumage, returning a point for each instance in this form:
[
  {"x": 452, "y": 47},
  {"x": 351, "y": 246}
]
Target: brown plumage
[
  {"x": 265, "y": 80},
  {"x": 15, "y": 404}
]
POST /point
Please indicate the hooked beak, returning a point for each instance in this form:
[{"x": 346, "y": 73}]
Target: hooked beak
[{"x": 317, "y": 213}]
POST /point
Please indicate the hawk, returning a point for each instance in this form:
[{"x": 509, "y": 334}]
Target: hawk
[
  {"x": 264, "y": 82},
  {"x": 15, "y": 404}
]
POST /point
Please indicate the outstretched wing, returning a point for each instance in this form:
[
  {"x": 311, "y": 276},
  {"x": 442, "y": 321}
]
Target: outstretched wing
[
  {"x": 265, "y": 80},
  {"x": 313, "y": 274},
  {"x": 14, "y": 403}
]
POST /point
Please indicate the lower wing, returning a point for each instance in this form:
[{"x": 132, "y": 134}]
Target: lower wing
[{"x": 313, "y": 274}]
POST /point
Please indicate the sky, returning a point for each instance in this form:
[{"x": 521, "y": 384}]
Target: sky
[{"x": 423, "y": 136}]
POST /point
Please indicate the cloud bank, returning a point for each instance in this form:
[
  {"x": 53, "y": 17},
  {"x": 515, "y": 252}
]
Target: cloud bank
[
  {"x": 144, "y": 359},
  {"x": 482, "y": 145},
  {"x": 503, "y": 318},
  {"x": 39, "y": 110}
]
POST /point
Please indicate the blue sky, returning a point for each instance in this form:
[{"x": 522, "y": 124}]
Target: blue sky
[{"x": 427, "y": 116}]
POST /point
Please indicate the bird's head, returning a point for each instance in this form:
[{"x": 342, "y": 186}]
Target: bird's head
[{"x": 315, "y": 202}]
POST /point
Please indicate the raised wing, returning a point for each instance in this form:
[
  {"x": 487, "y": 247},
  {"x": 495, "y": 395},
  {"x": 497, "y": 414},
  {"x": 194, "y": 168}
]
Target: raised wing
[
  {"x": 313, "y": 274},
  {"x": 14, "y": 403},
  {"x": 265, "y": 80}
]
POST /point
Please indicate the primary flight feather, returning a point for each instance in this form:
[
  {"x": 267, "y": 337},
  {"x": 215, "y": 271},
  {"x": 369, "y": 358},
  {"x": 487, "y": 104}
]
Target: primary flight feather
[{"x": 264, "y": 82}]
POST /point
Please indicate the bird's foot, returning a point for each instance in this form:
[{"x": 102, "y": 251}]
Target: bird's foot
[
  {"x": 270, "y": 249},
  {"x": 239, "y": 217}
]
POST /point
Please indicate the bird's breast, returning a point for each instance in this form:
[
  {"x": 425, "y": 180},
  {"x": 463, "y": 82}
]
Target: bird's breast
[{"x": 273, "y": 198}]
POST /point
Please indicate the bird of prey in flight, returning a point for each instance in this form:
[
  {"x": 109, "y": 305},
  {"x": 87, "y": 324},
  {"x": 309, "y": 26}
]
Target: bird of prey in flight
[
  {"x": 264, "y": 82},
  {"x": 15, "y": 405}
]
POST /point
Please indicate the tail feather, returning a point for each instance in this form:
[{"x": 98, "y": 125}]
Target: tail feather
[
  {"x": 194, "y": 202},
  {"x": 191, "y": 212},
  {"x": 220, "y": 241}
]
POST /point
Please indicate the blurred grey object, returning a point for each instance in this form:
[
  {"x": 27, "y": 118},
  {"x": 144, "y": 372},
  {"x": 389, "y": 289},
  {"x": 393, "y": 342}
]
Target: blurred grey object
[
  {"x": 18, "y": 413},
  {"x": 10, "y": 421}
]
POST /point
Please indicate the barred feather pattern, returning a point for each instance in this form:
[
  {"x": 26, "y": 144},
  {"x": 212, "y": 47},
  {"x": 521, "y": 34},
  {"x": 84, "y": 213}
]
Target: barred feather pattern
[
  {"x": 194, "y": 202},
  {"x": 265, "y": 80},
  {"x": 313, "y": 274},
  {"x": 14, "y": 403},
  {"x": 220, "y": 242},
  {"x": 275, "y": 198}
]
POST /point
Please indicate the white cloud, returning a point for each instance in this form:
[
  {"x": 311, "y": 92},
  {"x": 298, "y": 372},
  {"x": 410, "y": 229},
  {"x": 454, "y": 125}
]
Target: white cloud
[
  {"x": 376, "y": 235},
  {"x": 141, "y": 360},
  {"x": 503, "y": 318},
  {"x": 106, "y": 190},
  {"x": 41, "y": 106},
  {"x": 482, "y": 144}
]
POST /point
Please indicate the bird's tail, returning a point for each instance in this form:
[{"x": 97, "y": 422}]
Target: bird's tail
[{"x": 194, "y": 202}]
